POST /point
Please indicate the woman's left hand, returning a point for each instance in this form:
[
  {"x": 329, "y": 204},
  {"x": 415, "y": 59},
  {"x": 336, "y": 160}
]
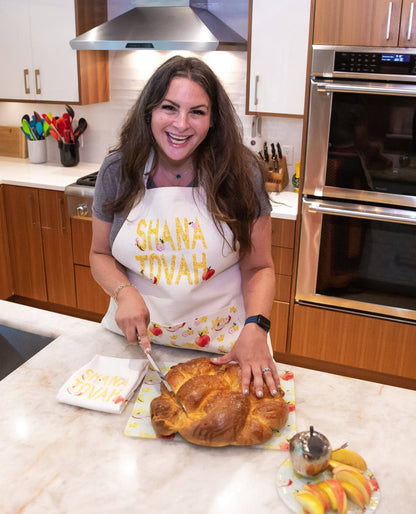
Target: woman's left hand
[{"x": 252, "y": 352}]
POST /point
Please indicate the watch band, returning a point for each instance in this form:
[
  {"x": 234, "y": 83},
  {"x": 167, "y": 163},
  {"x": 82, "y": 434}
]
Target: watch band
[{"x": 260, "y": 320}]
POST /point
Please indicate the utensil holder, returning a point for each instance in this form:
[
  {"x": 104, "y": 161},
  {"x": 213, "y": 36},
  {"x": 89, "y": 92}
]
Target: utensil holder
[
  {"x": 69, "y": 153},
  {"x": 37, "y": 151}
]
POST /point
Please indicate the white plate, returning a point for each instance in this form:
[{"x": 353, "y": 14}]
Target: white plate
[{"x": 289, "y": 482}]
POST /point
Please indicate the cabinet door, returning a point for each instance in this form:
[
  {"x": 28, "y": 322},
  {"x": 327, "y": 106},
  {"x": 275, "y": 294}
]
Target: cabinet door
[
  {"x": 37, "y": 62},
  {"x": 57, "y": 247},
  {"x": 15, "y": 54},
  {"x": 279, "y": 42},
  {"x": 6, "y": 279},
  {"x": 408, "y": 24},
  {"x": 54, "y": 62},
  {"x": 25, "y": 241},
  {"x": 354, "y": 22}
]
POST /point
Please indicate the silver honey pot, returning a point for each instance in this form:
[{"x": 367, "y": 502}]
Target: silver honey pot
[{"x": 310, "y": 452}]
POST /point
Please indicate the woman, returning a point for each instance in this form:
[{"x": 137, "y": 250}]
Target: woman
[{"x": 182, "y": 228}]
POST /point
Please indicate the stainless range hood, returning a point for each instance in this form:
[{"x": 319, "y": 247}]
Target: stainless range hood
[{"x": 172, "y": 27}]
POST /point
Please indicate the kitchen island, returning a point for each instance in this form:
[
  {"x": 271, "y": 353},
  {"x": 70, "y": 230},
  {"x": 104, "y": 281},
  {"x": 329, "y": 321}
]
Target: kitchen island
[{"x": 56, "y": 458}]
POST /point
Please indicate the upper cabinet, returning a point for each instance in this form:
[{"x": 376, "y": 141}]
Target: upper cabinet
[
  {"x": 37, "y": 61},
  {"x": 277, "y": 58},
  {"x": 369, "y": 23}
]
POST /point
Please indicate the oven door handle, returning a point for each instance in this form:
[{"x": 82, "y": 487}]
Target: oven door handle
[
  {"x": 365, "y": 87},
  {"x": 362, "y": 211}
]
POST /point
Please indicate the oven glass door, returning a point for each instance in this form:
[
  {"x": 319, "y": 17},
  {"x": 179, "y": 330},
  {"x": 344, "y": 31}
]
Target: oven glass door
[
  {"x": 358, "y": 257},
  {"x": 362, "y": 141}
]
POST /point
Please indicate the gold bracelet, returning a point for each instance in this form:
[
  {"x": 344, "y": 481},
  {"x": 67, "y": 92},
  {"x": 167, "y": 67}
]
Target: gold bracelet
[{"x": 114, "y": 296}]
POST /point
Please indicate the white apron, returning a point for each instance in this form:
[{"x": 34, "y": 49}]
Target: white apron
[{"x": 188, "y": 276}]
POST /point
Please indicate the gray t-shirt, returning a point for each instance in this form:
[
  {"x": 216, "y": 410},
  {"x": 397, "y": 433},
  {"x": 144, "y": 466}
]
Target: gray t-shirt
[{"x": 108, "y": 187}]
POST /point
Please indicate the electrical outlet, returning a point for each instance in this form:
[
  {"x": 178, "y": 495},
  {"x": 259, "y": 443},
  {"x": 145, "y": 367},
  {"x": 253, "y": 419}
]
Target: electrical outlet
[{"x": 287, "y": 151}]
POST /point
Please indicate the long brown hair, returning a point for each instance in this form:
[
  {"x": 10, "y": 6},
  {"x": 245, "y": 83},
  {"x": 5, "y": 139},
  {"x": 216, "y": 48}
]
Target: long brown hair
[{"x": 223, "y": 164}]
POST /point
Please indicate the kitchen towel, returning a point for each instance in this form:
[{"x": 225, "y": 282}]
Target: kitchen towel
[{"x": 105, "y": 384}]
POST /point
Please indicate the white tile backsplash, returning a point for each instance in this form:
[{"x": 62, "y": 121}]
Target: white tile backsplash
[{"x": 128, "y": 72}]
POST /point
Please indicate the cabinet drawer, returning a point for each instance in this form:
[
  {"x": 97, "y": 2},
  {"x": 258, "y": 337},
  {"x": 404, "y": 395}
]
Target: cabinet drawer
[
  {"x": 283, "y": 233},
  {"x": 353, "y": 340},
  {"x": 90, "y": 296},
  {"x": 278, "y": 331}
]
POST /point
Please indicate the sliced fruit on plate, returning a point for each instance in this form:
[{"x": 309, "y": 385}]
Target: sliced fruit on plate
[
  {"x": 356, "y": 479},
  {"x": 347, "y": 456},
  {"x": 354, "y": 494},
  {"x": 310, "y": 502},
  {"x": 323, "y": 497}
]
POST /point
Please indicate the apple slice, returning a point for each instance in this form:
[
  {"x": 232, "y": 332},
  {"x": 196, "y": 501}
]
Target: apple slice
[
  {"x": 323, "y": 497},
  {"x": 356, "y": 479},
  {"x": 334, "y": 464},
  {"x": 329, "y": 492},
  {"x": 310, "y": 502},
  {"x": 354, "y": 494},
  {"x": 340, "y": 496},
  {"x": 347, "y": 456}
]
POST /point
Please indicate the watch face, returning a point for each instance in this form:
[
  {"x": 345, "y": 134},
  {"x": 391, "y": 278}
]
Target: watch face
[{"x": 263, "y": 322}]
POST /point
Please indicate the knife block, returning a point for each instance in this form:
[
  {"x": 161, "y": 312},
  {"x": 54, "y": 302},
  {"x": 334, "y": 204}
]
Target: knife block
[{"x": 276, "y": 181}]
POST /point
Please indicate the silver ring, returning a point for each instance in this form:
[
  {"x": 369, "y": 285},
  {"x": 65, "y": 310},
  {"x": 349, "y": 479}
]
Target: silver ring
[{"x": 263, "y": 371}]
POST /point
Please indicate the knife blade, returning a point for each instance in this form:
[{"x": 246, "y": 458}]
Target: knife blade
[{"x": 164, "y": 380}]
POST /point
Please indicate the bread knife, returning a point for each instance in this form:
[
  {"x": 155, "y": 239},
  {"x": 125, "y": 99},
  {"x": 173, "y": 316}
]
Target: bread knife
[{"x": 164, "y": 380}]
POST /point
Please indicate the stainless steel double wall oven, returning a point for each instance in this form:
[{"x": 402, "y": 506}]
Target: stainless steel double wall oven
[{"x": 358, "y": 235}]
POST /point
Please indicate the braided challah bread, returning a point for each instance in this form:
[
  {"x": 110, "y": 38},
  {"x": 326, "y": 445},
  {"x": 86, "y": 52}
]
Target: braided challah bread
[{"x": 217, "y": 412}]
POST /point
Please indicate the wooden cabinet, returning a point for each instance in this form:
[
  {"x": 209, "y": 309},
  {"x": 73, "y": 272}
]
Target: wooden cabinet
[
  {"x": 277, "y": 57},
  {"x": 40, "y": 245},
  {"x": 369, "y": 23},
  {"x": 25, "y": 241},
  {"x": 283, "y": 238},
  {"x": 39, "y": 63},
  {"x": 90, "y": 296},
  {"x": 6, "y": 279},
  {"x": 57, "y": 247},
  {"x": 354, "y": 341}
]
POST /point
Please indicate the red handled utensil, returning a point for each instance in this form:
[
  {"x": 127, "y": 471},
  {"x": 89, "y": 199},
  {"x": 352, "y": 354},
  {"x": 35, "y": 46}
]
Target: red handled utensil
[{"x": 68, "y": 127}]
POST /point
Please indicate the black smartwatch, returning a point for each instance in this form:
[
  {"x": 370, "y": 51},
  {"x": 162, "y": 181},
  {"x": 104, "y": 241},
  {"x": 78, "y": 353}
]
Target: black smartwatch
[{"x": 260, "y": 320}]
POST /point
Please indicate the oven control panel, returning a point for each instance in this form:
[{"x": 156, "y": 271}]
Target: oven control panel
[{"x": 382, "y": 63}]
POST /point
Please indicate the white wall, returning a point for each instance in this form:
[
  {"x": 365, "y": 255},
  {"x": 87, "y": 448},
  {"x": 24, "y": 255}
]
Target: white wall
[{"x": 128, "y": 72}]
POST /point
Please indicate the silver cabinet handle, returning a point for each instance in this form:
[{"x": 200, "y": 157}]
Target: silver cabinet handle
[
  {"x": 363, "y": 211},
  {"x": 26, "y": 80},
  {"x": 37, "y": 82},
  {"x": 409, "y": 28},
  {"x": 365, "y": 87},
  {"x": 389, "y": 21},
  {"x": 256, "y": 83}
]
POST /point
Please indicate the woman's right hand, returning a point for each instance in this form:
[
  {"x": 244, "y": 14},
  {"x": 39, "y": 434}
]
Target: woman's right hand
[{"x": 133, "y": 317}]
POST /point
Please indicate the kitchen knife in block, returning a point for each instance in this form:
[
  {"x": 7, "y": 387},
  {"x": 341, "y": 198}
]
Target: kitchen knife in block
[
  {"x": 164, "y": 380},
  {"x": 278, "y": 177}
]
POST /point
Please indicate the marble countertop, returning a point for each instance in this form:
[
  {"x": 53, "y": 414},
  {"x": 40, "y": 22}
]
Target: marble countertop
[
  {"x": 57, "y": 458},
  {"x": 21, "y": 172}
]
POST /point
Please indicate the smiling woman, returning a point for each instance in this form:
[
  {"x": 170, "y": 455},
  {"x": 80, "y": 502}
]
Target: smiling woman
[{"x": 182, "y": 216}]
